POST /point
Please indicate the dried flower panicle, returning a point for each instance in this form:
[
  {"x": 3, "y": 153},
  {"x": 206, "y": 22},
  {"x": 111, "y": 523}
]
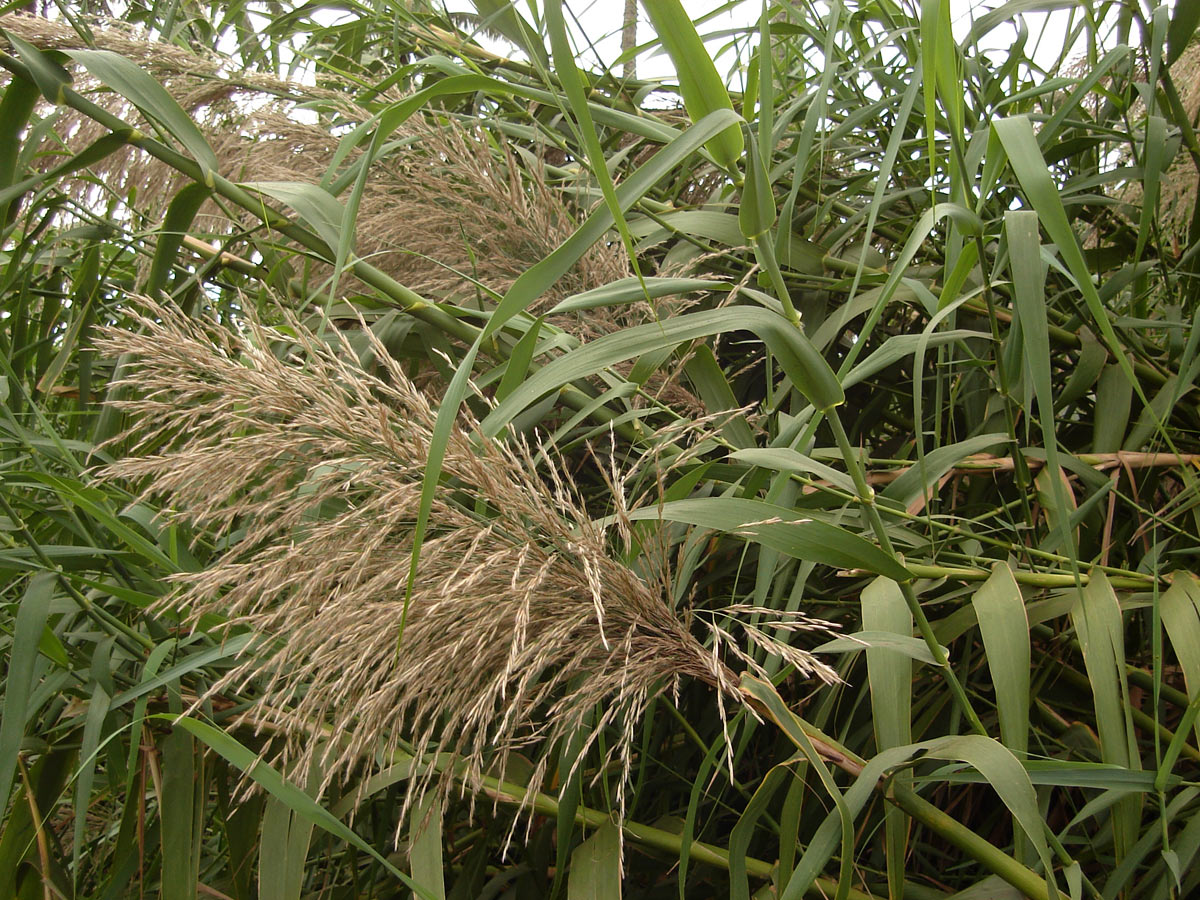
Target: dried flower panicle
[
  {"x": 453, "y": 210},
  {"x": 453, "y": 205},
  {"x": 521, "y": 628}
]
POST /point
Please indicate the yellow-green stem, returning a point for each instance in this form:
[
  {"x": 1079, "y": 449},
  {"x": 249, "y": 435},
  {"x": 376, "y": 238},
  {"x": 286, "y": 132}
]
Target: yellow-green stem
[{"x": 764, "y": 250}]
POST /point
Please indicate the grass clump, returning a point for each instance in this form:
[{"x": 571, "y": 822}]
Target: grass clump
[{"x": 389, "y": 424}]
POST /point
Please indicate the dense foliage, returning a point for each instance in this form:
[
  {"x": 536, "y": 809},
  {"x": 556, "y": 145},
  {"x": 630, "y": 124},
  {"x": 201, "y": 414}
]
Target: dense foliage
[{"x": 440, "y": 469}]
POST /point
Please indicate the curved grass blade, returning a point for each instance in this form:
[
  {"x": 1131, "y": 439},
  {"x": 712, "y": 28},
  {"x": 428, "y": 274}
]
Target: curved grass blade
[
  {"x": 1098, "y": 623},
  {"x": 180, "y": 864},
  {"x": 886, "y": 641},
  {"x": 316, "y": 206},
  {"x": 700, "y": 85},
  {"x": 502, "y": 16},
  {"x": 15, "y": 110},
  {"x": 915, "y": 482},
  {"x": 1020, "y": 144},
  {"x": 51, "y": 78},
  {"x": 1003, "y": 771},
  {"x": 743, "y": 831},
  {"x": 630, "y": 290},
  {"x": 178, "y": 219},
  {"x": 568, "y": 76},
  {"x": 783, "y": 459},
  {"x": 709, "y": 381},
  {"x": 800, "y": 361},
  {"x": 1179, "y": 607},
  {"x": 425, "y": 848},
  {"x": 1029, "y": 304},
  {"x": 152, "y": 99},
  {"x": 1004, "y": 627}
]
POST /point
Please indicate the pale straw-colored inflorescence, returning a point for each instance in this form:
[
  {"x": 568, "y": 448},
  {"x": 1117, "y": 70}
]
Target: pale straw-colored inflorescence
[
  {"x": 452, "y": 204},
  {"x": 521, "y": 629}
]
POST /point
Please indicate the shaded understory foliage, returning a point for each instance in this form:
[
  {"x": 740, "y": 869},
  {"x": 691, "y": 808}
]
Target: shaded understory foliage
[{"x": 437, "y": 470}]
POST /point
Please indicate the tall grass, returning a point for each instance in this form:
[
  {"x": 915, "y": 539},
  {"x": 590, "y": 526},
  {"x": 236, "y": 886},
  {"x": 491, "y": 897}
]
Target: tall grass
[{"x": 428, "y": 470}]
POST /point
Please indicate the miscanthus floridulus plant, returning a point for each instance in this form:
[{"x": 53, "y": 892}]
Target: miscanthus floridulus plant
[{"x": 433, "y": 463}]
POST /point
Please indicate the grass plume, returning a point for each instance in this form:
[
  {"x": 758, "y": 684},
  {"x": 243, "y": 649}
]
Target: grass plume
[
  {"x": 450, "y": 205},
  {"x": 522, "y": 625}
]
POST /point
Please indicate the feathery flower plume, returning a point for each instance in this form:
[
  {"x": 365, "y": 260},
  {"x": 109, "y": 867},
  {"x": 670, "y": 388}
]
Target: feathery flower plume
[
  {"x": 522, "y": 629},
  {"x": 450, "y": 204}
]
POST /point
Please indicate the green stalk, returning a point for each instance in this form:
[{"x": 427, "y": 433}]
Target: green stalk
[
  {"x": 1034, "y": 579},
  {"x": 866, "y": 496},
  {"x": 954, "y": 832},
  {"x": 764, "y": 249}
]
